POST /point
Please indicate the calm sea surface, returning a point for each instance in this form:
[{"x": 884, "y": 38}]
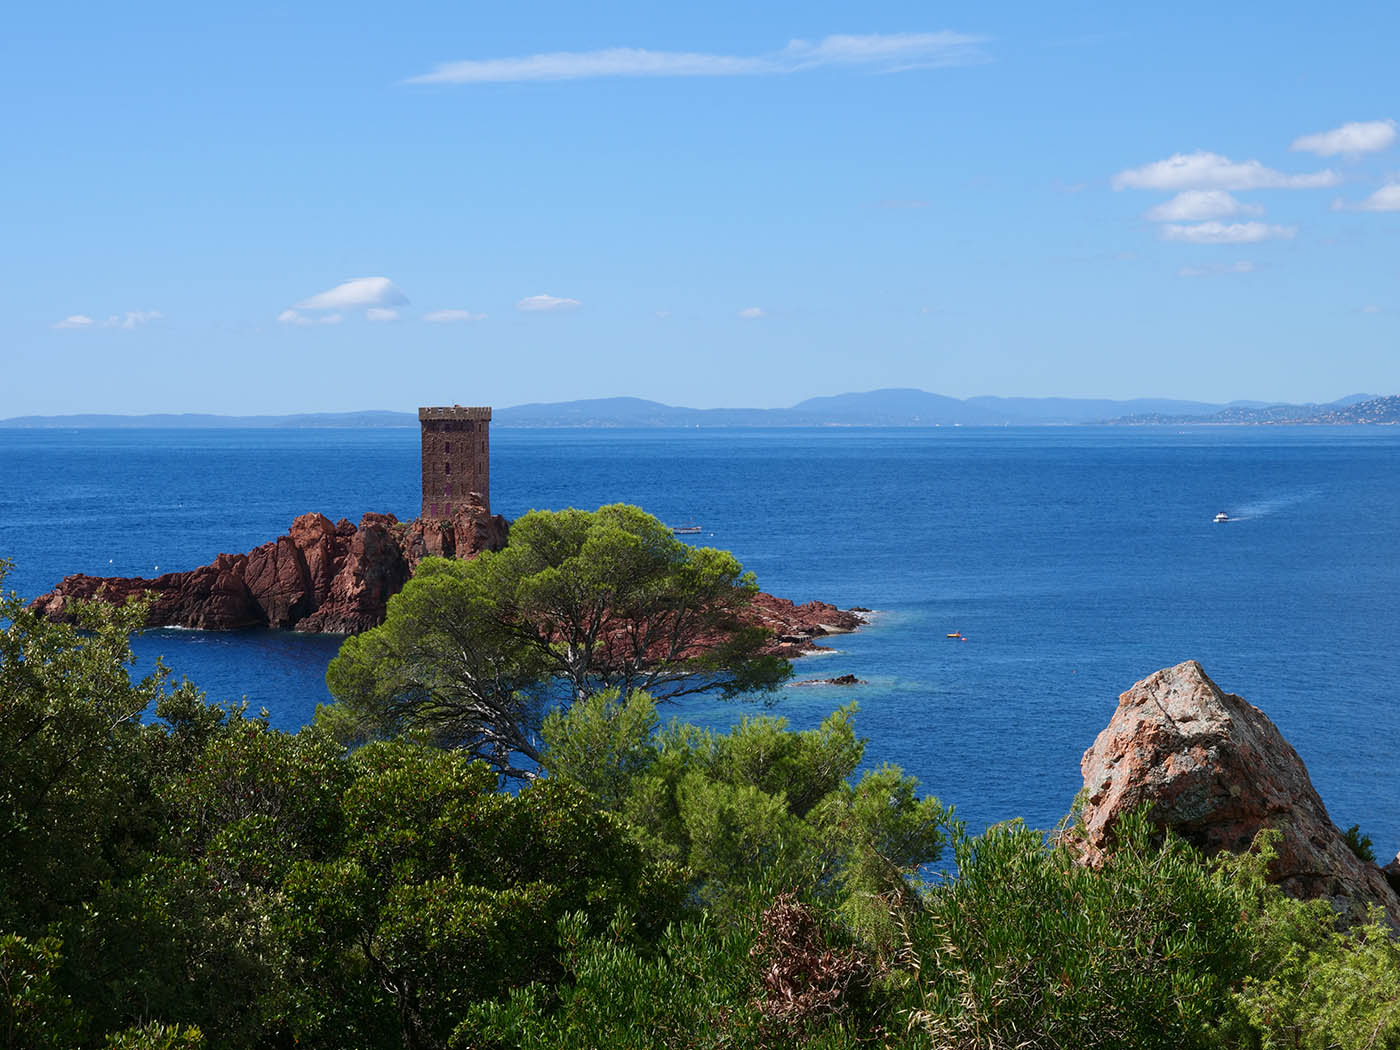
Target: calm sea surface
[{"x": 1075, "y": 560}]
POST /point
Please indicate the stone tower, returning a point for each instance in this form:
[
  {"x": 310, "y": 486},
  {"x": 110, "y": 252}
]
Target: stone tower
[{"x": 456, "y": 458}]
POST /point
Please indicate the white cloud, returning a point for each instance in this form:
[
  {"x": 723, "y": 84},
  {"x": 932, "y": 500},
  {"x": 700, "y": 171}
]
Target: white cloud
[
  {"x": 1226, "y": 233},
  {"x": 360, "y": 291},
  {"x": 1349, "y": 140},
  {"x": 891, "y": 52},
  {"x": 1196, "y": 205},
  {"x": 380, "y": 313},
  {"x": 1372, "y": 308},
  {"x": 539, "y": 303},
  {"x": 1211, "y": 171},
  {"x": 663, "y": 314},
  {"x": 131, "y": 319},
  {"x": 451, "y": 316},
  {"x": 884, "y": 52},
  {"x": 750, "y": 313},
  {"x": 1387, "y": 198},
  {"x": 1216, "y": 269},
  {"x": 297, "y": 318}
]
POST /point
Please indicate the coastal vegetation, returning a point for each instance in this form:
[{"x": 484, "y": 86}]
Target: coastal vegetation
[
  {"x": 177, "y": 874},
  {"x": 472, "y": 654}
]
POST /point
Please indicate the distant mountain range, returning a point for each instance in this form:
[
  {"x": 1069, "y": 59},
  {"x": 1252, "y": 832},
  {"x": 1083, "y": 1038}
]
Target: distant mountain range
[{"x": 893, "y": 407}]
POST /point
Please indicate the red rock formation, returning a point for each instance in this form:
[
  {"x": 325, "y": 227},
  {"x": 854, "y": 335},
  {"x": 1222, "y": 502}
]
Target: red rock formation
[
  {"x": 795, "y": 627},
  {"x": 335, "y": 579},
  {"x": 338, "y": 579},
  {"x": 466, "y": 534},
  {"x": 1216, "y": 770}
]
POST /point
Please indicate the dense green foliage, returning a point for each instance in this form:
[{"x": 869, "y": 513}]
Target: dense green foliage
[
  {"x": 760, "y": 808},
  {"x": 472, "y": 653},
  {"x": 179, "y": 876},
  {"x": 1028, "y": 945}
]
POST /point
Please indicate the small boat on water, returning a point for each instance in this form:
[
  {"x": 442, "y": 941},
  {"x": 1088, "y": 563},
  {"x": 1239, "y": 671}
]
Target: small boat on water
[
  {"x": 689, "y": 528},
  {"x": 955, "y": 634},
  {"x": 1221, "y": 518}
]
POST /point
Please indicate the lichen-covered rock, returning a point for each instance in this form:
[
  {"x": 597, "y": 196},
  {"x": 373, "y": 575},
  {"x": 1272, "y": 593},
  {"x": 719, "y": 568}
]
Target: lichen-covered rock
[{"x": 1216, "y": 770}]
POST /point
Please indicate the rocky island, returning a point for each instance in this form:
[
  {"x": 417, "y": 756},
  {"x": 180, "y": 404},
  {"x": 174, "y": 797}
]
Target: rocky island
[
  {"x": 337, "y": 578},
  {"x": 325, "y": 577}
]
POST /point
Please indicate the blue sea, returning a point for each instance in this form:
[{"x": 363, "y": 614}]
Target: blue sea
[{"x": 1075, "y": 560}]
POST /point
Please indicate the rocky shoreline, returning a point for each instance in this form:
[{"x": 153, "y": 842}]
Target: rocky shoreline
[
  {"x": 1208, "y": 765},
  {"x": 337, "y": 578}
]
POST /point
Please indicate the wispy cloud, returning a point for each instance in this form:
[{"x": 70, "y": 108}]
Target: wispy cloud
[
  {"x": 1210, "y": 171},
  {"x": 129, "y": 320},
  {"x": 1387, "y": 198},
  {"x": 878, "y": 52},
  {"x": 1198, "y": 205},
  {"x": 544, "y": 303},
  {"x": 380, "y": 313},
  {"x": 452, "y": 316},
  {"x": 357, "y": 292},
  {"x": 1216, "y": 269},
  {"x": 751, "y": 313},
  {"x": 297, "y": 318},
  {"x": 1226, "y": 233},
  {"x": 1350, "y": 140}
]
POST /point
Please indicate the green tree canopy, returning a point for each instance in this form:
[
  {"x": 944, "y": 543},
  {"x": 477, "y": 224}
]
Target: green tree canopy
[
  {"x": 761, "y": 807},
  {"x": 472, "y": 654}
]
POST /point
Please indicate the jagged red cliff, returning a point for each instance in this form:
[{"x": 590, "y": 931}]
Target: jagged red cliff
[
  {"x": 338, "y": 578},
  {"x": 320, "y": 577}
]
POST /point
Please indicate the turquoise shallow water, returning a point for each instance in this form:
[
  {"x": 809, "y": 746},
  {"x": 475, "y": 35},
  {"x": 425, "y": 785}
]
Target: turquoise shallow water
[{"x": 1075, "y": 560}]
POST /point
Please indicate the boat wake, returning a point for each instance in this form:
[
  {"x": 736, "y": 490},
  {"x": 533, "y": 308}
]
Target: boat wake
[{"x": 1265, "y": 507}]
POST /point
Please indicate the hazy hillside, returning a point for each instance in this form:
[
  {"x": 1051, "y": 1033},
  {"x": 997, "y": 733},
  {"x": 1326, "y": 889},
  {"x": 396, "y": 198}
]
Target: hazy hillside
[{"x": 895, "y": 407}]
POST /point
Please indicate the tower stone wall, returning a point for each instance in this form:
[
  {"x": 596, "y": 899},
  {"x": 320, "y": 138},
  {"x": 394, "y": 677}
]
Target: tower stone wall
[{"x": 456, "y": 458}]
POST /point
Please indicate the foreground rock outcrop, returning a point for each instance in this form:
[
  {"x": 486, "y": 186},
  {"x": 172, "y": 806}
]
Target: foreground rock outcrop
[
  {"x": 796, "y": 627},
  {"x": 338, "y": 578},
  {"x": 320, "y": 577},
  {"x": 1216, "y": 770}
]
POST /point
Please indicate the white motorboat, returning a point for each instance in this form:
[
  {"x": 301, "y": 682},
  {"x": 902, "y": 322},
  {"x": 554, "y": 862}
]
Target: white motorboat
[{"x": 1221, "y": 518}]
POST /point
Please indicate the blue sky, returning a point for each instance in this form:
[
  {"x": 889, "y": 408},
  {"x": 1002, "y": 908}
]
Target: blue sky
[{"x": 314, "y": 207}]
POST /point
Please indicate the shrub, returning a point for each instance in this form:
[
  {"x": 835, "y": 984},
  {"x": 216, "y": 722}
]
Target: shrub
[
  {"x": 1359, "y": 844},
  {"x": 1026, "y": 948}
]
